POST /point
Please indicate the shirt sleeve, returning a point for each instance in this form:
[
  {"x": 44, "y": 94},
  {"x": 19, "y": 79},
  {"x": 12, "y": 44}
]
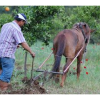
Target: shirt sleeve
[{"x": 18, "y": 36}]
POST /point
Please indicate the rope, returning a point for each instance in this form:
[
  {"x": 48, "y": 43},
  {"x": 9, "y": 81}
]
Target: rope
[
  {"x": 73, "y": 60},
  {"x": 57, "y": 56}
]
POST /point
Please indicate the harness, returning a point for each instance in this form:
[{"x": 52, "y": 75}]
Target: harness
[{"x": 85, "y": 38}]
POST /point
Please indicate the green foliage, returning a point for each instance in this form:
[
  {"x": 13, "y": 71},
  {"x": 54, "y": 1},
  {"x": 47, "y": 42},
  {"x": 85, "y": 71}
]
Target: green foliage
[
  {"x": 5, "y": 18},
  {"x": 40, "y": 22},
  {"x": 44, "y": 22},
  {"x": 2, "y": 9},
  {"x": 12, "y": 8},
  {"x": 88, "y": 14}
]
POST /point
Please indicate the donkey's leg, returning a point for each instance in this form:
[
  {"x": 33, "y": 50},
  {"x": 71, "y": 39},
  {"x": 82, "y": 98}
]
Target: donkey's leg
[
  {"x": 54, "y": 52},
  {"x": 79, "y": 59},
  {"x": 58, "y": 75},
  {"x": 52, "y": 75},
  {"x": 65, "y": 74}
]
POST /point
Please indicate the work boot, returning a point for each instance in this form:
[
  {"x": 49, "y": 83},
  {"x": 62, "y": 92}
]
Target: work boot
[{"x": 3, "y": 85}]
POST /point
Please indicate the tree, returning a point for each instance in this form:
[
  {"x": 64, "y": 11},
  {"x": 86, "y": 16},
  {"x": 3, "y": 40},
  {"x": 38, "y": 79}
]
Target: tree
[
  {"x": 39, "y": 22},
  {"x": 88, "y": 14}
]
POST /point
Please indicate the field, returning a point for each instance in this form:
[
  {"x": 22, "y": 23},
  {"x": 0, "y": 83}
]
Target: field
[{"x": 88, "y": 83}]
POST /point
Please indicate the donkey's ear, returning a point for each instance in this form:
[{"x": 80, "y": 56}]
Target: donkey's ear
[{"x": 92, "y": 30}]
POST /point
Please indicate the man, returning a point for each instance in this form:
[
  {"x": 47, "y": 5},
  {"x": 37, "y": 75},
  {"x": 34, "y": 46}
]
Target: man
[{"x": 10, "y": 37}]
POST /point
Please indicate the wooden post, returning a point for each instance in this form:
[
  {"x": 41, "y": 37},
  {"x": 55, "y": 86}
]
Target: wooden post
[
  {"x": 32, "y": 68},
  {"x": 25, "y": 64}
]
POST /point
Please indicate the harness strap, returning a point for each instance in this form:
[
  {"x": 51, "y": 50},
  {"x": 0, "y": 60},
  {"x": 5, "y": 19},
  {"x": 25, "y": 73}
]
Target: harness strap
[{"x": 80, "y": 26}]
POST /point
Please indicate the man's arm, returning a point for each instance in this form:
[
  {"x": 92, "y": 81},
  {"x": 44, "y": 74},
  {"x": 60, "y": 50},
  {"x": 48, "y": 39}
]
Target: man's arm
[{"x": 26, "y": 47}]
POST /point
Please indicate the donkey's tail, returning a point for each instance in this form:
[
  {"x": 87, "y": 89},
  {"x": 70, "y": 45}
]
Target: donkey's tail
[{"x": 60, "y": 51}]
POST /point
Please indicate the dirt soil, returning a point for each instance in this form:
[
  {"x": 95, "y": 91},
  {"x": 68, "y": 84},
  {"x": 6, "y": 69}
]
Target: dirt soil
[{"x": 30, "y": 88}]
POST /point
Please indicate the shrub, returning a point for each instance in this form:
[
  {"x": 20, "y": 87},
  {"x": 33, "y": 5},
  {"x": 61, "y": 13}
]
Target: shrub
[{"x": 5, "y": 18}]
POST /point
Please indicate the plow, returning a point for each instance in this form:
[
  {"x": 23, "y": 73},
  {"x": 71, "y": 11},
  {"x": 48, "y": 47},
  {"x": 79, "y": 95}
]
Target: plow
[
  {"x": 44, "y": 73},
  {"x": 34, "y": 84}
]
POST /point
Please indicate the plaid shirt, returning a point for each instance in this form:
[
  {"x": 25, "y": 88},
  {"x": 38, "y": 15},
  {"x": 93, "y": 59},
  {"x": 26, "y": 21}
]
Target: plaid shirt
[{"x": 10, "y": 37}]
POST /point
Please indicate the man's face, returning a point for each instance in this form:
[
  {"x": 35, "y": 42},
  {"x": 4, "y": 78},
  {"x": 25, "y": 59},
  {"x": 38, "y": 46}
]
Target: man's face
[{"x": 22, "y": 22}]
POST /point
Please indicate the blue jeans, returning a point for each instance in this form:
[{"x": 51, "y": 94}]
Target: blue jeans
[{"x": 7, "y": 65}]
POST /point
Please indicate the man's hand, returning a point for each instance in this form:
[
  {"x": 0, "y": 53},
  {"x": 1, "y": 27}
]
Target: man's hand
[
  {"x": 33, "y": 54},
  {"x": 26, "y": 47}
]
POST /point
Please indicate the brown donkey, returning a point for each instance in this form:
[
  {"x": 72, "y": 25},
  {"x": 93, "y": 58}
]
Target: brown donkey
[{"x": 68, "y": 43}]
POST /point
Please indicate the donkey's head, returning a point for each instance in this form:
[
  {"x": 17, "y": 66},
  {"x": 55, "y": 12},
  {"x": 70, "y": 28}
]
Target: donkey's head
[{"x": 85, "y": 29}]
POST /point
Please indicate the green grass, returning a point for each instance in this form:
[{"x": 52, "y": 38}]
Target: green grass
[{"x": 87, "y": 84}]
